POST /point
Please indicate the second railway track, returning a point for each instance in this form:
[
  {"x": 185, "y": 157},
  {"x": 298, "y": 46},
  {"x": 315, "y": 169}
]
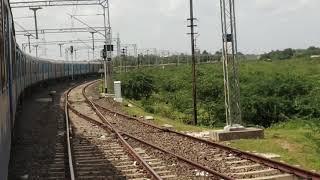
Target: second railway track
[
  {"x": 98, "y": 151},
  {"x": 223, "y": 161}
]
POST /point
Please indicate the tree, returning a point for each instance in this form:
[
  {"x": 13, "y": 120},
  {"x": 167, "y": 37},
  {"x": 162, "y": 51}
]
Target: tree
[{"x": 205, "y": 52}]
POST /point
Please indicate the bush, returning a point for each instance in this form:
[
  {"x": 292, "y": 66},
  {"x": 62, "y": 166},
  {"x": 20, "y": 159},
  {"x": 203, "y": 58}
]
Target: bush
[
  {"x": 137, "y": 86},
  {"x": 271, "y": 92}
]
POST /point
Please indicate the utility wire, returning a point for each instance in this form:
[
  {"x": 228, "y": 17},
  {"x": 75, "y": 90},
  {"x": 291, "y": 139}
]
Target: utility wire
[
  {"x": 86, "y": 24},
  {"x": 23, "y": 28}
]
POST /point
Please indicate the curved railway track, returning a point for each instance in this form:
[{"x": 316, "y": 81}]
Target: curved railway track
[
  {"x": 97, "y": 150},
  {"x": 110, "y": 158},
  {"x": 219, "y": 160}
]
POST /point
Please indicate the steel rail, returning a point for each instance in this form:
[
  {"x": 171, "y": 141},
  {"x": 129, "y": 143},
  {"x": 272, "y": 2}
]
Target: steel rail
[
  {"x": 70, "y": 159},
  {"x": 109, "y": 125},
  {"x": 261, "y": 160},
  {"x": 199, "y": 166},
  {"x": 146, "y": 166}
]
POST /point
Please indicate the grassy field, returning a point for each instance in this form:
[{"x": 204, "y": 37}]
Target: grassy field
[
  {"x": 160, "y": 120},
  {"x": 294, "y": 141},
  {"x": 282, "y": 96}
]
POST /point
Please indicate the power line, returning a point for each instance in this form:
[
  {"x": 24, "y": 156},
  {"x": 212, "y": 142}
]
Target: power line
[
  {"x": 82, "y": 22},
  {"x": 78, "y": 41},
  {"x": 25, "y": 31},
  {"x": 44, "y": 3},
  {"x": 60, "y": 30}
]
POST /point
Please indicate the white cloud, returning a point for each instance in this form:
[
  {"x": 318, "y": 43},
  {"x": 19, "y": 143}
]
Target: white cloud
[{"x": 262, "y": 24}]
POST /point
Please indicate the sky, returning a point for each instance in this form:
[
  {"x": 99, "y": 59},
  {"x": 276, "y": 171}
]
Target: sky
[{"x": 262, "y": 25}]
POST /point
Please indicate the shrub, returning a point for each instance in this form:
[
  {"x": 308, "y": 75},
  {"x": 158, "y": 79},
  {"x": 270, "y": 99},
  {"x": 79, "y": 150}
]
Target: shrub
[
  {"x": 271, "y": 92},
  {"x": 137, "y": 86}
]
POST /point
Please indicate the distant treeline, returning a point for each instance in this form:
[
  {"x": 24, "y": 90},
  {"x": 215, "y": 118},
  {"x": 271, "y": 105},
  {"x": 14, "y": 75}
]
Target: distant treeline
[
  {"x": 290, "y": 53},
  {"x": 150, "y": 59}
]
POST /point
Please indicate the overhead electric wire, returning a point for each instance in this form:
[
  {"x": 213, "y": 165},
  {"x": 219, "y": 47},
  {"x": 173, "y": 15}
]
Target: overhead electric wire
[{"x": 23, "y": 28}]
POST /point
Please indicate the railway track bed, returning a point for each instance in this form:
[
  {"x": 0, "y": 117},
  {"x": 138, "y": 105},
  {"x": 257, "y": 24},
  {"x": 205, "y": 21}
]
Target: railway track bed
[
  {"x": 224, "y": 161},
  {"x": 99, "y": 152}
]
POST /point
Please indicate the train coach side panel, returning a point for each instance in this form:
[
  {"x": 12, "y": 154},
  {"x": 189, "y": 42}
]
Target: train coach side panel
[
  {"x": 5, "y": 134},
  {"x": 5, "y": 124}
]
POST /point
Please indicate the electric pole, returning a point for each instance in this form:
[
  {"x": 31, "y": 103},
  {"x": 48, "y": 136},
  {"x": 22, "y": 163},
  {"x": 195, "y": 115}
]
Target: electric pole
[
  {"x": 92, "y": 35},
  {"x": 110, "y": 49},
  {"x": 230, "y": 64},
  {"x": 34, "y": 9},
  {"x": 124, "y": 53},
  {"x": 36, "y": 46},
  {"x": 105, "y": 57},
  {"x": 118, "y": 45},
  {"x": 194, "y": 86},
  {"x": 60, "y": 46},
  {"x": 28, "y": 35},
  {"x": 72, "y": 68},
  {"x": 108, "y": 46},
  {"x": 75, "y": 55}
]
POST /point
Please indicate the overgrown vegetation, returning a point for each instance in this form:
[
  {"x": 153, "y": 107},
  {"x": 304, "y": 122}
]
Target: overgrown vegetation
[
  {"x": 297, "y": 141},
  {"x": 138, "y": 85},
  {"x": 291, "y": 53},
  {"x": 271, "y": 92}
]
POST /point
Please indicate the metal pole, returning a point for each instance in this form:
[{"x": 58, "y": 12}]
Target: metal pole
[
  {"x": 75, "y": 55},
  {"x": 60, "y": 45},
  {"x": 109, "y": 65},
  {"x": 34, "y": 9},
  {"x": 194, "y": 87},
  {"x": 36, "y": 46},
  {"x": 60, "y": 50},
  {"x": 28, "y": 36},
  {"x": 92, "y": 34},
  {"x": 230, "y": 64},
  {"x": 106, "y": 43},
  {"x": 72, "y": 68},
  {"x": 118, "y": 46},
  {"x": 29, "y": 43}
]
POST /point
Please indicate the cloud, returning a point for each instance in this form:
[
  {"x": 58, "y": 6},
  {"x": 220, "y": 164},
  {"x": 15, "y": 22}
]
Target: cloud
[{"x": 262, "y": 24}]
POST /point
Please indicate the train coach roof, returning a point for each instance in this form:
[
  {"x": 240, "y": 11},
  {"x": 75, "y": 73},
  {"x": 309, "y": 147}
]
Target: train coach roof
[{"x": 60, "y": 61}]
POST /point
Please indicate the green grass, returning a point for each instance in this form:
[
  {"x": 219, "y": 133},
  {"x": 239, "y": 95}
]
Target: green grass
[
  {"x": 160, "y": 120},
  {"x": 294, "y": 141},
  {"x": 290, "y": 140},
  {"x": 271, "y": 91}
]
